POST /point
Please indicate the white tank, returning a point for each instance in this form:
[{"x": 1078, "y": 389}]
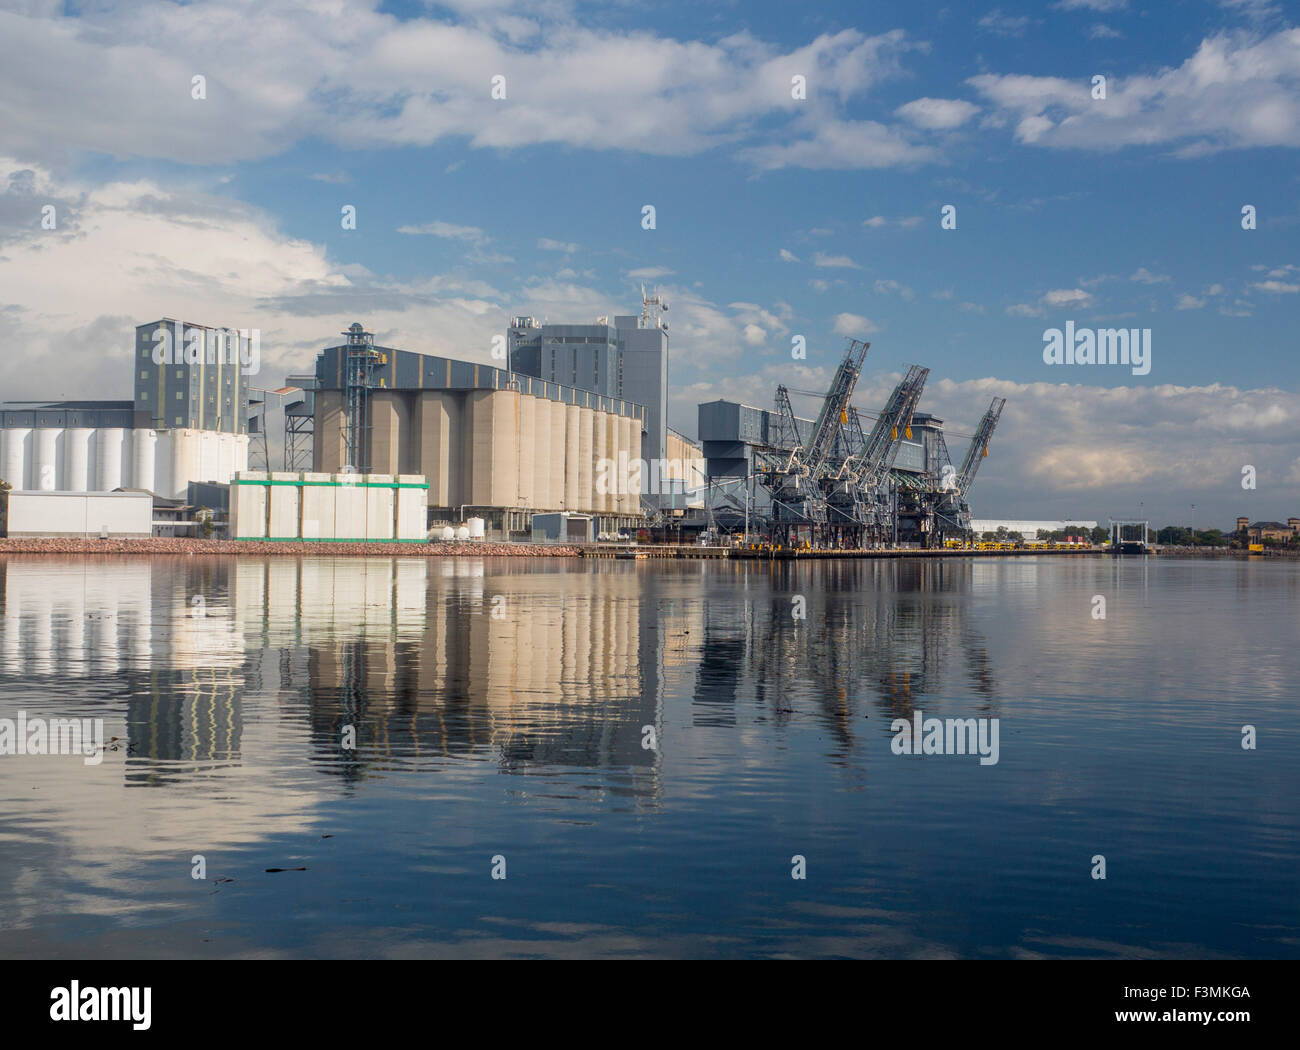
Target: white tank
[
  {"x": 187, "y": 452},
  {"x": 76, "y": 459},
  {"x": 476, "y": 528},
  {"x": 448, "y": 533},
  {"x": 14, "y": 463},
  {"x": 462, "y": 533},
  {"x": 46, "y": 476},
  {"x": 142, "y": 462},
  {"x": 108, "y": 458}
]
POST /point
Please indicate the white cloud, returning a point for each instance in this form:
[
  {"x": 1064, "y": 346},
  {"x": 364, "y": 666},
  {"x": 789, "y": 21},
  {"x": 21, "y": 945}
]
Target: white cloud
[
  {"x": 1237, "y": 91},
  {"x": 891, "y": 287},
  {"x": 788, "y": 256},
  {"x": 649, "y": 273},
  {"x": 1104, "y": 32},
  {"x": 548, "y": 245},
  {"x": 116, "y": 79},
  {"x": 937, "y": 114},
  {"x": 996, "y": 21},
  {"x": 1024, "y": 310},
  {"x": 753, "y": 335},
  {"x": 844, "y": 145},
  {"x": 1090, "y": 5},
  {"x": 1067, "y": 297},
  {"x": 1189, "y": 302},
  {"x": 447, "y": 230},
  {"x": 1278, "y": 287},
  {"x": 834, "y": 261},
  {"x": 853, "y": 325},
  {"x": 1145, "y": 276}
]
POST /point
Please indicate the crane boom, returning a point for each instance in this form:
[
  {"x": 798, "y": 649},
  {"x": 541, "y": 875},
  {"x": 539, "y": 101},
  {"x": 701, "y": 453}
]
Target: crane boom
[
  {"x": 835, "y": 408},
  {"x": 882, "y": 442},
  {"x": 979, "y": 445}
]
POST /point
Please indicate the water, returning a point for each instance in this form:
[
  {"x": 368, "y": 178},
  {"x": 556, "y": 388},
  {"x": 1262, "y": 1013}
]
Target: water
[{"x": 500, "y": 709}]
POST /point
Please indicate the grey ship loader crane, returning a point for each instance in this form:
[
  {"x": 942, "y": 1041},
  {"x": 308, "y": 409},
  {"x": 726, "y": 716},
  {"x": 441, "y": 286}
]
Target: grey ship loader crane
[{"x": 798, "y": 495}]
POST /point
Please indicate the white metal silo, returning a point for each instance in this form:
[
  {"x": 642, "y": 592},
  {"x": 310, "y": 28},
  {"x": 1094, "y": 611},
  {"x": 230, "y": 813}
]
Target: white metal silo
[
  {"x": 142, "y": 462},
  {"x": 45, "y": 477},
  {"x": 76, "y": 458}
]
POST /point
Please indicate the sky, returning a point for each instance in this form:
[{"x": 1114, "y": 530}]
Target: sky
[{"x": 779, "y": 211}]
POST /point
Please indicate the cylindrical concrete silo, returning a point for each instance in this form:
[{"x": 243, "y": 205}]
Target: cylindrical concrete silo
[
  {"x": 542, "y": 453},
  {"x": 611, "y": 451},
  {"x": 108, "y": 458},
  {"x": 634, "y": 456},
  {"x": 76, "y": 458},
  {"x": 186, "y": 454},
  {"x": 142, "y": 461},
  {"x": 572, "y": 442},
  {"x": 626, "y": 501},
  {"x": 602, "y": 476},
  {"x": 45, "y": 478},
  {"x": 586, "y": 436},
  {"x": 558, "y": 445},
  {"x": 527, "y": 489},
  {"x": 15, "y": 457}
]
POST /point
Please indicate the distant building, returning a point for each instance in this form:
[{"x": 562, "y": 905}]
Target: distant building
[
  {"x": 627, "y": 360},
  {"x": 187, "y": 422},
  {"x": 1260, "y": 531},
  {"x": 1030, "y": 529}
]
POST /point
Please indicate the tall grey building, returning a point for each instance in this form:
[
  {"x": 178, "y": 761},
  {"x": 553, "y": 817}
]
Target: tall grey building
[
  {"x": 192, "y": 376},
  {"x": 627, "y": 360}
]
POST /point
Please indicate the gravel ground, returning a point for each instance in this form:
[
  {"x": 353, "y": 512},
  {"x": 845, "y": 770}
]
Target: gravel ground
[{"x": 247, "y": 547}]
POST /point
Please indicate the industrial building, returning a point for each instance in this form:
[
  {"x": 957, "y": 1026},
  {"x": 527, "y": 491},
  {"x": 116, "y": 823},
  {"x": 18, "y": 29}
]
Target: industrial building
[
  {"x": 830, "y": 482},
  {"x": 492, "y": 444},
  {"x": 331, "y": 507},
  {"x": 1030, "y": 529},
  {"x": 187, "y": 422},
  {"x": 76, "y": 515},
  {"x": 627, "y": 360}
]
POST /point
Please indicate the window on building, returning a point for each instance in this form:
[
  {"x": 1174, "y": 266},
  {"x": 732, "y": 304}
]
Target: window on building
[
  {"x": 180, "y": 373},
  {"x": 144, "y": 395},
  {"x": 180, "y": 396},
  {"x": 144, "y": 374},
  {"x": 178, "y": 421}
]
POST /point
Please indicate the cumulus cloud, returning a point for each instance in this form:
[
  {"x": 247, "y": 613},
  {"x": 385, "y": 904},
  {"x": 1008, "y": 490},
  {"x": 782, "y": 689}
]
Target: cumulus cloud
[
  {"x": 853, "y": 325},
  {"x": 834, "y": 261},
  {"x": 117, "y": 79},
  {"x": 937, "y": 114},
  {"x": 1237, "y": 91},
  {"x": 1066, "y": 297},
  {"x": 447, "y": 230}
]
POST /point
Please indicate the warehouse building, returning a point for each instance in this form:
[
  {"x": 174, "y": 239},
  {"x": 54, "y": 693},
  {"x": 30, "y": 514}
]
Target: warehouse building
[
  {"x": 188, "y": 421},
  {"x": 492, "y": 444}
]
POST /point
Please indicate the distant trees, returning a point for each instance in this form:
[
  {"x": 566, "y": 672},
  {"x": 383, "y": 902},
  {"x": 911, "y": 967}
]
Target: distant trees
[{"x": 1184, "y": 536}]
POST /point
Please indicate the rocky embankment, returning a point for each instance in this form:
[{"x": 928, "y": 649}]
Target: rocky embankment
[{"x": 258, "y": 549}]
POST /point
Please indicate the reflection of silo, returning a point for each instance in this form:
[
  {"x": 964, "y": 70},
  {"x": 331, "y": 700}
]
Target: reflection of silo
[
  {"x": 108, "y": 458},
  {"x": 45, "y": 478},
  {"x": 142, "y": 464},
  {"x": 76, "y": 458},
  {"x": 571, "y": 446},
  {"x": 15, "y": 443},
  {"x": 586, "y": 432}
]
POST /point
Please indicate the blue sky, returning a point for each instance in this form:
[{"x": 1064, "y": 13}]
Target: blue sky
[{"x": 775, "y": 217}]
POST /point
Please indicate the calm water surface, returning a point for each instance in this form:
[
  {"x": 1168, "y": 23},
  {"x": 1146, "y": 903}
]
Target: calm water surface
[{"x": 500, "y": 710}]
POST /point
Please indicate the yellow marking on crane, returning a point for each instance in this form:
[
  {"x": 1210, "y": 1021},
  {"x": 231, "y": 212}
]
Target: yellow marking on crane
[
  {"x": 908, "y": 432},
  {"x": 893, "y": 433}
]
